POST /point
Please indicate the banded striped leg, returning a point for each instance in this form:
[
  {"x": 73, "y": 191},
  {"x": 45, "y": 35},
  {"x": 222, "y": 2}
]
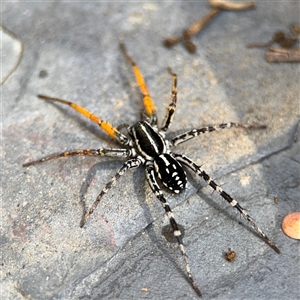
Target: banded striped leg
[
  {"x": 129, "y": 164},
  {"x": 107, "y": 127},
  {"x": 172, "y": 106},
  {"x": 196, "y": 132},
  {"x": 80, "y": 152},
  {"x": 197, "y": 169},
  {"x": 148, "y": 103},
  {"x": 177, "y": 234}
]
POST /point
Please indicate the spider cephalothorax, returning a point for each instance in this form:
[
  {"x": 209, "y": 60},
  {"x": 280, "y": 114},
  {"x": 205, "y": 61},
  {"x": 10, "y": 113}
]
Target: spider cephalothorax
[{"x": 146, "y": 146}]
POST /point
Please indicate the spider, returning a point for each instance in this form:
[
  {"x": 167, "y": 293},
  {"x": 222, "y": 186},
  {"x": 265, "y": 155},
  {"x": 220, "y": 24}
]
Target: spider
[{"x": 145, "y": 145}]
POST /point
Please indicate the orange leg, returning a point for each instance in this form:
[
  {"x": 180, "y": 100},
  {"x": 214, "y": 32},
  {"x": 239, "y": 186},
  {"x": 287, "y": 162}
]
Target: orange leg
[
  {"x": 148, "y": 103},
  {"x": 107, "y": 127}
]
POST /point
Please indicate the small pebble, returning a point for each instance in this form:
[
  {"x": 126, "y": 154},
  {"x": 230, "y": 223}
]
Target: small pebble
[
  {"x": 291, "y": 225},
  {"x": 230, "y": 255}
]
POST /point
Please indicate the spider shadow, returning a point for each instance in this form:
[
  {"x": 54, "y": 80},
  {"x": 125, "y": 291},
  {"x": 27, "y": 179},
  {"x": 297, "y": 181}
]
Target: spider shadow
[
  {"x": 222, "y": 208},
  {"x": 89, "y": 178},
  {"x": 126, "y": 80},
  {"x": 137, "y": 178},
  {"x": 150, "y": 219}
]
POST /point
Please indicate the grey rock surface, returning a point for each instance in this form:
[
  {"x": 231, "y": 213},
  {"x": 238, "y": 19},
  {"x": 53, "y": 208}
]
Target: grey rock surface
[{"x": 71, "y": 51}]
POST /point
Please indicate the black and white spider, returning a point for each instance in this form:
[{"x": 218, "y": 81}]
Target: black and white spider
[{"x": 146, "y": 146}]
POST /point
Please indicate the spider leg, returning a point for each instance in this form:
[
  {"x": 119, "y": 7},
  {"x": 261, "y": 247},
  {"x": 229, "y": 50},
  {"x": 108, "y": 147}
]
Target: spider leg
[
  {"x": 172, "y": 106},
  {"x": 148, "y": 103},
  {"x": 107, "y": 127},
  {"x": 80, "y": 152},
  {"x": 150, "y": 175},
  {"x": 197, "y": 169},
  {"x": 196, "y": 132},
  {"x": 129, "y": 164}
]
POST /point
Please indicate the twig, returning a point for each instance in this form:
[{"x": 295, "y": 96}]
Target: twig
[
  {"x": 194, "y": 29},
  {"x": 283, "y": 55},
  {"x": 217, "y": 6},
  {"x": 226, "y": 5},
  {"x": 285, "y": 41}
]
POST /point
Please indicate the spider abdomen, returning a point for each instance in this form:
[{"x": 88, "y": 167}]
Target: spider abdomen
[{"x": 170, "y": 172}]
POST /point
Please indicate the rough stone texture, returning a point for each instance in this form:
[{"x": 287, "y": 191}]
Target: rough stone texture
[{"x": 71, "y": 51}]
